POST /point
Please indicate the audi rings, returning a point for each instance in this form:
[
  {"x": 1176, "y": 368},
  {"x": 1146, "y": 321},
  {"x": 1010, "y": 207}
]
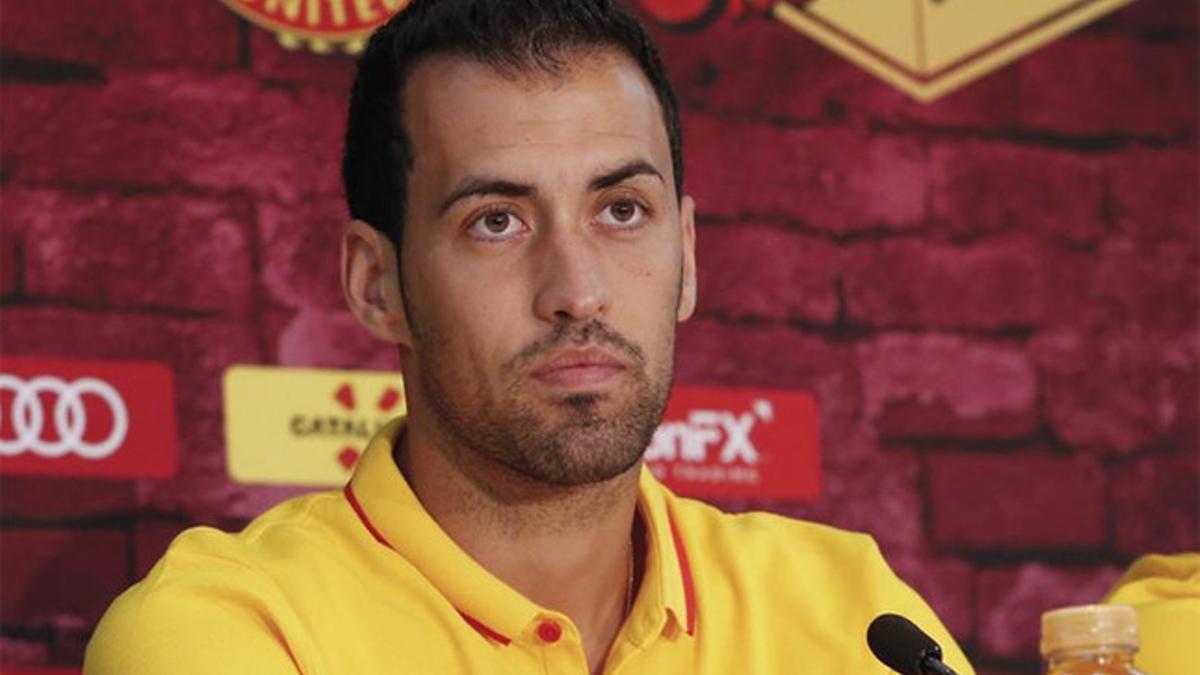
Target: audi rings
[{"x": 28, "y": 417}]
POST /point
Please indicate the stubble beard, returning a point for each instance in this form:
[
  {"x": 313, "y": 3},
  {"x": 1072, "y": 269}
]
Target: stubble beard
[{"x": 573, "y": 440}]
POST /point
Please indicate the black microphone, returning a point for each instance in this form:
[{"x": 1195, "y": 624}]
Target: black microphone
[{"x": 905, "y": 648}]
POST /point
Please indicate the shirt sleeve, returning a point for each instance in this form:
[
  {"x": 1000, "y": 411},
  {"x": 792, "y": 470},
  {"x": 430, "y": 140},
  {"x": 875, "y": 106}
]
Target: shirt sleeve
[
  {"x": 880, "y": 591},
  {"x": 827, "y": 585},
  {"x": 194, "y": 613},
  {"x": 1164, "y": 590},
  {"x": 909, "y": 604}
]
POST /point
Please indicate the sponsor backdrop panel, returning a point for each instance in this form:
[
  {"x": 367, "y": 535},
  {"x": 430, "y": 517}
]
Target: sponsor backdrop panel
[
  {"x": 948, "y": 265},
  {"x": 86, "y": 418},
  {"x": 311, "y": 436}
]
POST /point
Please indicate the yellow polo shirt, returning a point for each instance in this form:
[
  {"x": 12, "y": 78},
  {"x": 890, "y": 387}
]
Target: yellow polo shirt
[{"x": 362, "y": 580}]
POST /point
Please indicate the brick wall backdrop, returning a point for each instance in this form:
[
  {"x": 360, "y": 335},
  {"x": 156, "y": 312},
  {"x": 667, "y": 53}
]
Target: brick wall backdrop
[{"x": 995, "y": 296}]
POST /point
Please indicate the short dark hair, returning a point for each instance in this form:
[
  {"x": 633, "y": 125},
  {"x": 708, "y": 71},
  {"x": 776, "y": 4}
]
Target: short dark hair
[{"x": 511, "y": 35}]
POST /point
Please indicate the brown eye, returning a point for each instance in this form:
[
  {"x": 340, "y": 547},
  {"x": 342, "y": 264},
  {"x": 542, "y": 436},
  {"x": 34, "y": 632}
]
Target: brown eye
[
  {"x": 496, "y": 226},
  {"x": 624, "y": 215},
  {"x": 624, "y": 211},
  {"x": 496, "y": 223}
]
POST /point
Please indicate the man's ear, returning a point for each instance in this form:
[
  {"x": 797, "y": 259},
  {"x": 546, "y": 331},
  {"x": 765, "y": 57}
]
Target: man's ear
[
  {"x": 371, "y": 283},
  {"x": 687, "y": 294}
]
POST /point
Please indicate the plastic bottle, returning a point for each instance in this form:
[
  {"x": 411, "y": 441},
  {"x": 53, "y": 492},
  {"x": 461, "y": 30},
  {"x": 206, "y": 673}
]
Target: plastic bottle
[{"x": 1090, "y": 640}]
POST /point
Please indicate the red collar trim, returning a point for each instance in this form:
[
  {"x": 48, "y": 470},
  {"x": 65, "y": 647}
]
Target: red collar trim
[
  {"x": 689, "y": 590},
  {"x": 478, "y": 625},
  {"x": 483, "y": 629},
  {"x": 362, "y": 516}
]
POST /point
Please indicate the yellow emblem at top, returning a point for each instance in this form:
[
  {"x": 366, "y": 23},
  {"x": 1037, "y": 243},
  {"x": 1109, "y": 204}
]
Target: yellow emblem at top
[
  {"x": 322, "y": 25},
  {"x": 928, "y": 48}
]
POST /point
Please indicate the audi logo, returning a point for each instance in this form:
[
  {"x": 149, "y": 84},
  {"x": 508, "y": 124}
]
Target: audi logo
[{"x": 28, "y": 417}]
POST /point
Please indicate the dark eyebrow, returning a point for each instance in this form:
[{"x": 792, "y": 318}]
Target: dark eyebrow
[
  {"x": 637, "y": 167},
  {"x": 477, "y": 186}
]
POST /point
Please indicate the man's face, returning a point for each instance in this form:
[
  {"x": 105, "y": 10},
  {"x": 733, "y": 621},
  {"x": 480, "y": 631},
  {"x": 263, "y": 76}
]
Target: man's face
[{"x": 546, "y": 261}]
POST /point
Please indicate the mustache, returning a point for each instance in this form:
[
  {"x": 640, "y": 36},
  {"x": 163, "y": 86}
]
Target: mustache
[{"x": 594, "y": 332}]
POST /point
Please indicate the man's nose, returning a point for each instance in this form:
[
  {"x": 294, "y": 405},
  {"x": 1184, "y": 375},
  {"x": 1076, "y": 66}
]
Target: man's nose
[{"x": 571, "y": 280}]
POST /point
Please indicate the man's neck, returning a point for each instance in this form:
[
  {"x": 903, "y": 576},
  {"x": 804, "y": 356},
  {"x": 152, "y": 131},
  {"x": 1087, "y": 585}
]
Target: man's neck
[{"x": 565, "y": 548}]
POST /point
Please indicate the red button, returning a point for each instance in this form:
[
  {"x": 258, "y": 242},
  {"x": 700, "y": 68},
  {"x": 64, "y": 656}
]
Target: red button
[{"x": 549, "y": 631}]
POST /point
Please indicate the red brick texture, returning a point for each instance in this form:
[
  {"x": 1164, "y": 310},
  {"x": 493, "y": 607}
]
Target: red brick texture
[
  {"x": 833, "y": 180},
  {"x": 995, "y": 297},
  {"x": 944, "y": 387},
  {"x": 201, "y": 262},
  {"x": 1012, "y": 600},
  {"x": 1023, "y": 501},
  {"x": 749, "y": 271},
  {"x": 49, "y": 573}
]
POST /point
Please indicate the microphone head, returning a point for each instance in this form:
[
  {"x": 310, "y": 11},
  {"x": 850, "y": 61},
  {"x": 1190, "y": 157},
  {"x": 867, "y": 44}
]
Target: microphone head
[{"x": 900, "y": 645}]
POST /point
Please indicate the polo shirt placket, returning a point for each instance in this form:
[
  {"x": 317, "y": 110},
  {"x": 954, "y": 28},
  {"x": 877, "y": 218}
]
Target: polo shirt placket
[{"x": 391, "y": 513}]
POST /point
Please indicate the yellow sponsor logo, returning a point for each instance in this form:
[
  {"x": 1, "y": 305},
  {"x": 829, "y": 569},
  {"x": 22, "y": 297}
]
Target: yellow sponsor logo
[
  {"x": 930, "y": 47},
  {"x": 300, "y": 426}
]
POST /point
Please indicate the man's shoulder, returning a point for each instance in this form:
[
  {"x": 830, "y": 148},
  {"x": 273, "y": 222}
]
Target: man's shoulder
[
  {"x": 788, "y": 566},
  {"x": 282, "y": 535},
  {"x": 774, "y": 568},
  {"x": 220, "y": 593},
  {"x": 760, "y": 536}
]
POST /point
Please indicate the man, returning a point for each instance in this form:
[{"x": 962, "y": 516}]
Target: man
[{"x": 514, "y": 171}]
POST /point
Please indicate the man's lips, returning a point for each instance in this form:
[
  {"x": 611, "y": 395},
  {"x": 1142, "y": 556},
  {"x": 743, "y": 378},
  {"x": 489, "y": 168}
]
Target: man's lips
[{"x": 578, "y": 367}]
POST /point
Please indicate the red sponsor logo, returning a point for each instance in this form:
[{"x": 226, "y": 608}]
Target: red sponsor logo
[
  {"x": 86, "y": 418},
  {"x": 721, "y": 442}
]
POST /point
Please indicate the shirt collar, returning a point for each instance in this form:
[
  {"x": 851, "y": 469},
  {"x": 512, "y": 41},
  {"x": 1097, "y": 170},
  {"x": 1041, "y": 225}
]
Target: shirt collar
[
  {"x": 392, "y": 514},
  {"x": 667, "y": 584}
]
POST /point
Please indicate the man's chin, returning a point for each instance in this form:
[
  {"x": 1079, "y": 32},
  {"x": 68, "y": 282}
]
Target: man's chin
[
  {"x": 575, "y": 449},
  {"x": 578, "y": 471}
]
